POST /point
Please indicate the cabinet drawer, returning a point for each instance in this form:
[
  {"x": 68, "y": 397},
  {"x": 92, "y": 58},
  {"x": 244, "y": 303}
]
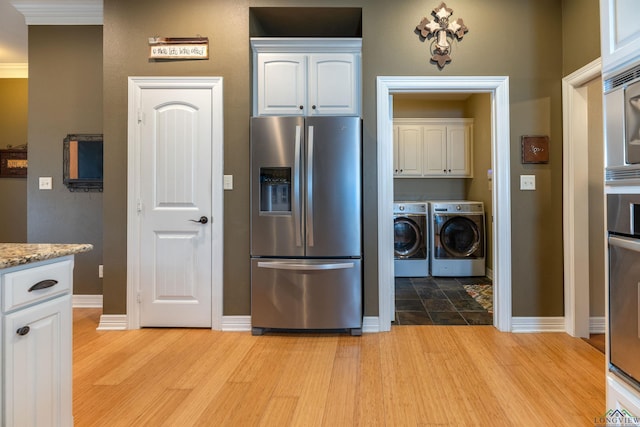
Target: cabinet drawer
[{"x": 40, "y": 282}]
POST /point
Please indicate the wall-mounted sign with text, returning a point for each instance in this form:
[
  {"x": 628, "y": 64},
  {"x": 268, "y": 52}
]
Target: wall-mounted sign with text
[{"x": 178, "y": 48}]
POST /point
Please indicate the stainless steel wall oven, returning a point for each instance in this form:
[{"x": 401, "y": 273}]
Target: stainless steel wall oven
[{"x": 623, "y": 224}]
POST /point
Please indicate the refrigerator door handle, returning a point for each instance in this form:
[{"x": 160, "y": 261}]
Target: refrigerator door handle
[
  {"x": 284, "y": 265},
  {"x": 309, "y": 210},
  {"x": 297, "y": 220}
]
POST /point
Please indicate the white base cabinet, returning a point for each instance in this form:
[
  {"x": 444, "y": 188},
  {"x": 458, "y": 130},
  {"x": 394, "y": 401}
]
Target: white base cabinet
[
  {"x": 306, "y": 77},
  {"x": 37, "y": 344},
  {"x": 620, "y": 397},
  {"x": 433, "y": 148}
]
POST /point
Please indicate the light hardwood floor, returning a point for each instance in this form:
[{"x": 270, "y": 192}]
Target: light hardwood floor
[{"x": 411, "y": 376}]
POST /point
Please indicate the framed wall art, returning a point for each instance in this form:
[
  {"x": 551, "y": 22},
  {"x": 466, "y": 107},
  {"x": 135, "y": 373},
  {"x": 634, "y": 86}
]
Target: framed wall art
[{"x": 535, "y": 149}]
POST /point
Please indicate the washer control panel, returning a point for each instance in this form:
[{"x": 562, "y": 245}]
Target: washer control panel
[
  {"x": 457, "y": 207},
  {"x": 410, "y": 207}
]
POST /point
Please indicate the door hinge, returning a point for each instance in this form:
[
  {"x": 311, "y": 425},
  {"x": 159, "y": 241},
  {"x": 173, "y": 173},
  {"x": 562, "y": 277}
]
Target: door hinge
[
  {"x": 139, "y": 206},
  {"x": 140, "y": 117},
  {"x": 138, "y": 298}
]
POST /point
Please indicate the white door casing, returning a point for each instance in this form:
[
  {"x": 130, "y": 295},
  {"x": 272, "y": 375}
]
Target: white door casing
[
  {"x": 500, "y": 160},
  {"x": 175, "y": 178},
  {"x": 575, "y": 202},
  {"x": 174, "y": 272}
]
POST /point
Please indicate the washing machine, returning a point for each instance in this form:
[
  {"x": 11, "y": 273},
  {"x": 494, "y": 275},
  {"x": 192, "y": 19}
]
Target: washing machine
[
  {"x": 457, "y": 243},
  {"x": 410, "y": 241}
]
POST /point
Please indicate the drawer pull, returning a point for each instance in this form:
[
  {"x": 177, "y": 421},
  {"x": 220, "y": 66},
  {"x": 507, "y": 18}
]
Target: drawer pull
[
  {"x": 44, "y": 284},
  {"x": 23, "y": 331}
]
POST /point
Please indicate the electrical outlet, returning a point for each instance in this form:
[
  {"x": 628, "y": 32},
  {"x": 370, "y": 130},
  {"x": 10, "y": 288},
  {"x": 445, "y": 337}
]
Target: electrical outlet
[
  {"x": 100, "y": 272},
  {"x": 527, "y": 182},
  {"x": 45, "y": 183}
]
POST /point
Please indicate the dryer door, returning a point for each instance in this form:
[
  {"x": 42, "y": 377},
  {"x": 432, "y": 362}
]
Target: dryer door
[
  {"x": 407, "y": 238},
  {"x": 459, "y": 237}
]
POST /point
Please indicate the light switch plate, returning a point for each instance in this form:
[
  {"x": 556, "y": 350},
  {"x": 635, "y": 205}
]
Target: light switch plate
[
  {"x": 527, "y": 182},
  {"x": 45, "y": 183},
  {"x": 228, "y": 182}
]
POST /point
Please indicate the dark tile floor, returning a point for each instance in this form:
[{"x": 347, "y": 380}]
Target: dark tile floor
[{"x": 439, "y": 301}]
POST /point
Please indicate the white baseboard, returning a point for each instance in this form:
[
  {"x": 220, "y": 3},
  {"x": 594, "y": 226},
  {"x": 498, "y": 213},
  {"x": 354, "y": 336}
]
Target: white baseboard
[
  {"x": 112, "y": 322},
  {"x": 118, "y": 322},
  {"x": 236, "y": 323},
  {"x": 537, "y": 324},
  {"x": 597, "y": 325},
  {"x": 370, "y": 324},
  {"x": 489, "y": 273},
  {"x": 86, "y": 301}
]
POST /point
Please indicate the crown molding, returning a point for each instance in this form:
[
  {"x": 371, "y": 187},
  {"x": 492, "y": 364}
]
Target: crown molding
[
  {"x": 14, "y": 70},
  {"x": 60, "y": 12}
]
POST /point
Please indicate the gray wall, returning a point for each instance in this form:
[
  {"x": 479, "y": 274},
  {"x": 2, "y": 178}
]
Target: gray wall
[
  {"x": 13, "y": 132},
  {"x": 597, "y": 244},
  {"x": 521, "y": 39},
  {"x": 478, "y": 188},
  {"x": 580, "y": 34},
  {"x": 65, "y": 96}
]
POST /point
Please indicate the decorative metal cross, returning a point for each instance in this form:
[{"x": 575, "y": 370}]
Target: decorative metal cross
[{"x": 442, "y": 27}]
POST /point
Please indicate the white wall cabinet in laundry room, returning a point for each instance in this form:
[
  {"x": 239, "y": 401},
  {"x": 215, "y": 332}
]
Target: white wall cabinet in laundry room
[
  {"x": 306, "y": 76},
  {"x": 445, "y": 147},
  {"x": 407, "y": 148}
]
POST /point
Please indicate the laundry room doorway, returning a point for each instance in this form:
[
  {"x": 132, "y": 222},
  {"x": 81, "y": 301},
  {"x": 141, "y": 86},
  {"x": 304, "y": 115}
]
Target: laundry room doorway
[
  {"x": 442, "y": 159},
  {"x": 497, "y": 88}
]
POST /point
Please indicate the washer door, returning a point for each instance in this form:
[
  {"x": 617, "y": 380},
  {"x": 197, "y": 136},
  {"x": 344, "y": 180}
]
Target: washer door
[
  {"x": 461, "y": 238},
  {"x": 407, "y": 238}
]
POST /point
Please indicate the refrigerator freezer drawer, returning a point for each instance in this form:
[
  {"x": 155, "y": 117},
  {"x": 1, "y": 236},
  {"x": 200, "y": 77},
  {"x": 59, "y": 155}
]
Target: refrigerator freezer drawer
[{"x": 306, "y": 294}]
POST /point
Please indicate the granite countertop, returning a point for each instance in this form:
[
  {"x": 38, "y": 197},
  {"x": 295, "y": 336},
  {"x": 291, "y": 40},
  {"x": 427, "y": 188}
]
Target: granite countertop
[{"x": 12, "y": 254}]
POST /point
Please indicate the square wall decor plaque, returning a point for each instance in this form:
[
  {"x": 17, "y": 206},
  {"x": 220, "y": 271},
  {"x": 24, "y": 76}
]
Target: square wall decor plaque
[{"x": 535, "y": 149}]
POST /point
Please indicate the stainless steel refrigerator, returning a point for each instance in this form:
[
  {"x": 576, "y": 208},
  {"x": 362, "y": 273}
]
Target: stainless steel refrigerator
[{"x": 306, "y": 223}]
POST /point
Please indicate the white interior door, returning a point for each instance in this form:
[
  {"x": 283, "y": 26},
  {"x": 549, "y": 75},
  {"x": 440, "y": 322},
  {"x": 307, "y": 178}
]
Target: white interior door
[{"x": 175, "y": 131}]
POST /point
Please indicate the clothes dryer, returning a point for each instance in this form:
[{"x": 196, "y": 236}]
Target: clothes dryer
[
  {"x": 457, "y": 242},
  {"x": 410, "y": 244}
]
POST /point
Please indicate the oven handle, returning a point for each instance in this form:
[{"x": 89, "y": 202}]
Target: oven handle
[{"x": 625, "y": 243}]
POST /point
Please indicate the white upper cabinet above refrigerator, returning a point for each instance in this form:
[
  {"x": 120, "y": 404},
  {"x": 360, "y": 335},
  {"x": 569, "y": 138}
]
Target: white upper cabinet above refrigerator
[
  {"x": 306, "y": 76},
  {"x": 619, "y": 34}
]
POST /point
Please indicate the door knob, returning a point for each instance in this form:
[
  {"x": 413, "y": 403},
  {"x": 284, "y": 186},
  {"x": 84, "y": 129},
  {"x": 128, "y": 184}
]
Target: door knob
[{"x": 202, "y": 220}]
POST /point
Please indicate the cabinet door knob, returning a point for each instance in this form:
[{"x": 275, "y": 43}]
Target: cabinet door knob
[
  {"x": 313, "y": 106},
  {"x": 301, "y": 107},
  {"x": 23, "y": 331}
]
